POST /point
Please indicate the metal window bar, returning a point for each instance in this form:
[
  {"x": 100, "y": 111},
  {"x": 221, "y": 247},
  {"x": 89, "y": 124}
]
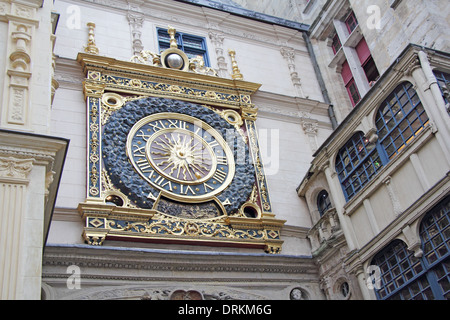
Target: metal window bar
[
  {"x": 356, "y": 164},
  {"x": 400, "y": 118}
]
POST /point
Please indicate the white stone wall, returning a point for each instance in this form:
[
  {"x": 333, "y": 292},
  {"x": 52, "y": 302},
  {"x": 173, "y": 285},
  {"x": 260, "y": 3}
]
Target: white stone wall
[{"x": 420, "y": 22}]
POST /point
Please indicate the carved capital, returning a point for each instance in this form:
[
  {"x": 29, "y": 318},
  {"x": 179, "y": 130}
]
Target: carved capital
[
  {"x": 11, "y": 167},
  {"x": 216, "y": 38},
  {"x": 288, "y": 54},
  {"x": 310, "y": 126}
]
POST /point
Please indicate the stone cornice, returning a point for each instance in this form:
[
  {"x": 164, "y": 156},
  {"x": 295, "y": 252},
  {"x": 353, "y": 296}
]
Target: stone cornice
[
  {"x": 119, "y": 259},
  {"x": 253, "y": 27}
]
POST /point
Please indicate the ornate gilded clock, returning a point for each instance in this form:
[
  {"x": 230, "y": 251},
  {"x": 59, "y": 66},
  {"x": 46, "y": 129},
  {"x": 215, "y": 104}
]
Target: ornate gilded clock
[
  {"x": 157, "y": 148},
  {"x": 173, "y": 155}
]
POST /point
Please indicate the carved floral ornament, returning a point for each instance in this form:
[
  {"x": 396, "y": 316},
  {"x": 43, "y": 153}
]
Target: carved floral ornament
[{"x": 11, "y": 167}]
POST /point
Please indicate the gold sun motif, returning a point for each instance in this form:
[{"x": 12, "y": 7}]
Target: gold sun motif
[{"x": 181, "y": 156}]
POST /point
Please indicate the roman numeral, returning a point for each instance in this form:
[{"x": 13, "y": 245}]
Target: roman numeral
[
  {"x": 222, "y": 160},
  {"x": 207, "y": 187},
  {"x": 160, "y": 181},
  {"x": 158, "y": 125},
  {"x": 144, "y": 166},
  {"x": 142, "y": 135},
  {"x": 139, "y": 151},
  {"x": 187, "y": 190},
  {"x": 213, "y": 144},
  {"x": 220, "y": 176},
  {"x": 177, "y": 124}
]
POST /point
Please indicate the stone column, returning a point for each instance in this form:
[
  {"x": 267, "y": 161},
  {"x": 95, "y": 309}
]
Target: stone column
[
  {"x": 30, "y": 170},
  {"x": 13, "y": 192},
  {"x": 430, "y": 105},
  {"x": 339, "y": 202}
]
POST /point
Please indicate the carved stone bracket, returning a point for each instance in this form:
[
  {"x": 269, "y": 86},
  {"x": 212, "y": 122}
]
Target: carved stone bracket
[{"x": 393, "y": 196}]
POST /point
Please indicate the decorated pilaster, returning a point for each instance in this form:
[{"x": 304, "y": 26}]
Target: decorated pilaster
[
  {"x": 22, "y": 21},
  {"x": 217, "y": 40},
  {"x": 289, "y": 55},
  {"x": 30, "y": 169}
]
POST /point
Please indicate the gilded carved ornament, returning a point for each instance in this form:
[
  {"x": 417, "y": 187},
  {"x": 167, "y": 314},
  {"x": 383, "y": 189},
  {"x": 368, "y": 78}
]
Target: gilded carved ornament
[{"x": 91, "y": 46}]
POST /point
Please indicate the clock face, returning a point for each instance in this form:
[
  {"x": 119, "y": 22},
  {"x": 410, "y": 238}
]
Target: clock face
[
  {"x": 156, "y": 148},
  {"x": 181, "y": 156}
]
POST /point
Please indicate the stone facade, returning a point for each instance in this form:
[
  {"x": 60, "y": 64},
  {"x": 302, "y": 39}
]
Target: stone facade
[{"x": 305, "y": 116}]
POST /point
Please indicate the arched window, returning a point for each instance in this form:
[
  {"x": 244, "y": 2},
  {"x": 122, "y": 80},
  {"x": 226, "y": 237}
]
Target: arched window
[
  {"x": 405, "y": 277},
  {"x": 357, "y": 162},
  {"x": 400, "y": 270},
  {"x": 435, "y": 236},
  {"x": 443, "y": 79},
  {"x": 323, "y": 202},
  {"x": 399, "y": 119}
]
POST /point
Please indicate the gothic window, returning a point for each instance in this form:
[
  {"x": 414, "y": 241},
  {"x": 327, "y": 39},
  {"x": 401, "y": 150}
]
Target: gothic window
[
  {"x": 323, "y": 202},
  {"x": 443, "y": 82},
  {"x": 405, "y": 277},
  {"x": 193, "y": 46},
  {"x": 399, "y": 119}
]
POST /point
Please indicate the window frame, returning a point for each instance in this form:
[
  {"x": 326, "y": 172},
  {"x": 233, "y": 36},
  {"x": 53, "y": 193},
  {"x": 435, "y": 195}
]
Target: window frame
[
  {"x": 391, "y": 137},
  {"x": 351, "y": 173},
  {"x": 419, "y": 271},
  {"x": 351, "y": 26},
  {"x": 181, "y": 38},
  {"x": 327, "y": 203},
  {"x": 336, "y": 43},
  {"x": 352, "y": 84},
  {"x": 442, "y": 77}
]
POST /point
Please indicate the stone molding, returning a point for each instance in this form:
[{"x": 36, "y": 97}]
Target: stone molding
[{"x": 120, "y": 259}]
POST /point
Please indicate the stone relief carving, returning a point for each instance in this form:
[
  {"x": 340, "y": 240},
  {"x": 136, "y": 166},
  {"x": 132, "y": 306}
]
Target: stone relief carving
[
  {"x": 11, "y": 167},
  {"x": 289, "y": 55},
  {"x": 162, "y": 293}
]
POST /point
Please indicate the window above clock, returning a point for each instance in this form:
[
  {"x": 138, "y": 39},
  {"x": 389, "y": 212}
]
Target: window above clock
[{"x": 193, "y": 46}]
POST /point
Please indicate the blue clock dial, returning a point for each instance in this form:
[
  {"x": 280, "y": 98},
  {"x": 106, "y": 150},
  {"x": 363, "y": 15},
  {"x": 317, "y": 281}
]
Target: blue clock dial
[{"x": 182, "y": 156}]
